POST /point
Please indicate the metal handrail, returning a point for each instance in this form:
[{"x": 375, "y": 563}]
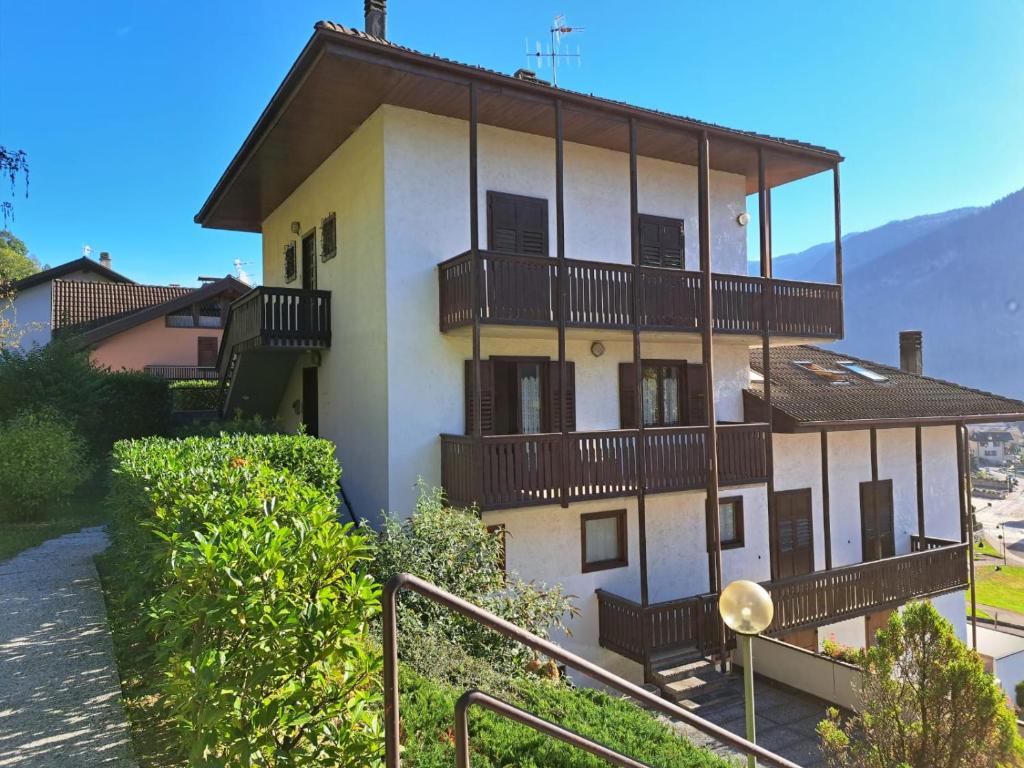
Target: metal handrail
[
  {"x": 521, "y": 716},
  {"x": 392, "y": 716}
]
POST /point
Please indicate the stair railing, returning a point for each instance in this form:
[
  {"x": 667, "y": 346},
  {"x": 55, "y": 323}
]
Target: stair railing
[{"x": 392, "y": 717}]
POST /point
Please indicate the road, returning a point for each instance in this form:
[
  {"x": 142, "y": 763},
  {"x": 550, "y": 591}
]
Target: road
[{"x": 1004, "y": 516}]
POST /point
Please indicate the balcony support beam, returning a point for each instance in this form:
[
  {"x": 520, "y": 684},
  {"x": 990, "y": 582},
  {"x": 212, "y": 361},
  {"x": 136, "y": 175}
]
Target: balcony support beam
[
  {"x": 562, "y": 301},
  {"x": 764, "y": 211},
  {"x": 474, "y": 247},
  {"x": 707, "y": 352},
  {"x": 825, "y": 501},
  {"x": 641, "y": 480},
  {"x": 919, "y": 464},
  {"x": 969, "y": 513},
  {"x": 837, "y": 212}
]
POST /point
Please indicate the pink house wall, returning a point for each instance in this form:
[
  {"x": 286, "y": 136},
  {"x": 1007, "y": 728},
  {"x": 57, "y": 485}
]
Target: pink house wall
[{"x": 151, "y": 343}]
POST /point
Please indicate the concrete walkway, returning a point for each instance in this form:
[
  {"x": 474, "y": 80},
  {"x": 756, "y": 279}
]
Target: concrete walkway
[{"x": 60, "y": 696}]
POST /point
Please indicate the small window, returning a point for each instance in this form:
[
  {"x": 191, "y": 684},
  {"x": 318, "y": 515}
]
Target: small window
[
  {"x": 290, "y": 266},
  {"x": 329, "y": 237},
  {"x": 730, "y": 522},
  {"x": 210, "y": 314},
  {"x": 499, "y": 530},
  {"x": 662, "y": 389},
  {"x": 860, "y": 370},
  {"x": 661, "y": 241},
  {"x": 181, "y": 318},
  {"x": 603, "y": 540},
  {"x": 517, "y": 224}
]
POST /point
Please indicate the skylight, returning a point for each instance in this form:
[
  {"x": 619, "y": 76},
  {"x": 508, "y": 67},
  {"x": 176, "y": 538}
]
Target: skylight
[
  {"x": 835, "y": 377},
  {"x": 860, "y": 370}
]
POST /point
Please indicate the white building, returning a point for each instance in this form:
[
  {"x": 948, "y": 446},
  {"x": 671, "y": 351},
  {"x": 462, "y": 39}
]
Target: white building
[
  {"x": 991, "y": 447},
  {"x": 470, "y": 276}
]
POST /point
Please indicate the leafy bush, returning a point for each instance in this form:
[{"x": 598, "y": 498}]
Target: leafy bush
[
  {"x": 1019, "y": 694},
  {"x": 427, "y": 720},
  {"x": 841, "y": 652},
  {"x": 925, "y": 702},
  {"x": 102, "y": 406},
  {"x": 197, "y": 395},
  {"x": 454, "y": 550},
  {"x": 42, "y": 463},
  {"x": 237, "y": 425},
  {"x": 257, "y": 599}
]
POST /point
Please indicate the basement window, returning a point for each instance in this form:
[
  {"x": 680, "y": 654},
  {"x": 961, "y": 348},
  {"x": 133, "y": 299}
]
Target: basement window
[{"x": 860, "y": 370}]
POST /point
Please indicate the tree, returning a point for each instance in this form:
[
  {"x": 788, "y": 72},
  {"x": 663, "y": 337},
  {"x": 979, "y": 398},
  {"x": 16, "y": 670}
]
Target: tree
[
  {"x": 925, "y": 702},
  {"x": 15, "y": 260},
  {"x": 13, "y": 163}
]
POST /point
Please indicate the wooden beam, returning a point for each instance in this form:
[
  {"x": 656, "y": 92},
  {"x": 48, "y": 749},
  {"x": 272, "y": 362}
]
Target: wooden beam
[
  {"x": 826, "y": 504},
  {"x": 474, "y": 292},
  {"x": 641, "y": 495},
  {"x": 838, "y": 214},
  {"x": 874, "y": 491},
  {"x": 562, "y": 300},
  {"x": 962, "y": 482},
  {"x": 765, "y": 224}
]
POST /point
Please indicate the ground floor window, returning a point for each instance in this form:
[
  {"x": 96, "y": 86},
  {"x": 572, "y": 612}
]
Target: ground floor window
[
  {"x": 730, "y": 522},
  {"x": 603, "y": 540}
]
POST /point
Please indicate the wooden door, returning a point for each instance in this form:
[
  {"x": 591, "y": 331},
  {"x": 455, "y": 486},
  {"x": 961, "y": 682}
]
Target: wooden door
[
  {"x": 206, "y": 351},
  {"x": 309, "y": 262},
  {"x": 878, "y": 538},
  {"x": 793, "y": 546},
  {"x": 311, "y": 401}
]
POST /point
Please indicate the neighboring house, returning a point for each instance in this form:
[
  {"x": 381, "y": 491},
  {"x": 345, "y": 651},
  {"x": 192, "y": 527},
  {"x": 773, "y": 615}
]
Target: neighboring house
[
  {"x": 502, "y": 287},
  {"x": 170, "y": 330},
  {"x": 33, "y": 295},
  {"x": 991, "y": 447}
]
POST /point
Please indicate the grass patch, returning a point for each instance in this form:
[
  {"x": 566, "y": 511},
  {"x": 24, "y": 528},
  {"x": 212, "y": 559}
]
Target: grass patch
[
  {"x": 1003, "y": 588},
  {"x": 982, "y": 547},
  {"x": 85, "y": 509},
  {"x": 980, "y": 613}
]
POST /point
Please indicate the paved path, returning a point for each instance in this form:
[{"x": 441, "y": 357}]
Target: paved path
[{"x": 60, "y": 697}]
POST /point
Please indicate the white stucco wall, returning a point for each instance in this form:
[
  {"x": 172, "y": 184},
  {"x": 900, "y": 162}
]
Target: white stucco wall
[
  {"x": 941, "y": 485},
  {"x": 31, "y": 312},
  {"x": 353, "y": 388}
]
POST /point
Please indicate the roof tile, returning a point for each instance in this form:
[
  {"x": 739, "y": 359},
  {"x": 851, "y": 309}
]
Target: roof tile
[{"x": 84, "y": 304}]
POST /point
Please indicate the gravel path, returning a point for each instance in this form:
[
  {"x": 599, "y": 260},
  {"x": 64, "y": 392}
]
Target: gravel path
[{"x": 60, "y": 696}]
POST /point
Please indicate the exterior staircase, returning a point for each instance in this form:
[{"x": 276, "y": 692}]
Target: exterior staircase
[{"x": 694, "y": 682}]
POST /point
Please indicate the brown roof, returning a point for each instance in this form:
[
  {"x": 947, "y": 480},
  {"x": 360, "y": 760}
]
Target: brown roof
[
  {"x": 85, "y": 304},
  {"x": 83, "y": 264},
  {"x": 842, "y": 399},
  {"x": 299, "y": 129}
]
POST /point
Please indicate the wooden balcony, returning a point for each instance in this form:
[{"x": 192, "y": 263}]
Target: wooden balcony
[
  {"x": 500, "y": 471},
  {"x": 266, "y": 330},
  {"x": 523, "y": 290},
  {"x": 801, "y": 602},
  {"x": 183, "y": 372}
]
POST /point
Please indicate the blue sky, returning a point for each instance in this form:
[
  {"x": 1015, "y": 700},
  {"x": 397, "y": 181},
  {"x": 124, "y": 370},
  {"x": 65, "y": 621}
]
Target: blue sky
[{"x": 130, "y": 111}]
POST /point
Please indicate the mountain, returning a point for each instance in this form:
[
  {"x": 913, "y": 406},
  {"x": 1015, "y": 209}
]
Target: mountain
[{"x": 957, "y": 276}]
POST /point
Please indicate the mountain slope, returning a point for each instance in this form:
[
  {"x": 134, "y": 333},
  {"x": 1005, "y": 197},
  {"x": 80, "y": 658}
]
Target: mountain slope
[{"x": 958, "y": 277}]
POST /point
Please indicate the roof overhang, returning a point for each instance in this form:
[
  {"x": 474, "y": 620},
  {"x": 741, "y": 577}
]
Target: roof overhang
[{"x": 342, "y": 77}]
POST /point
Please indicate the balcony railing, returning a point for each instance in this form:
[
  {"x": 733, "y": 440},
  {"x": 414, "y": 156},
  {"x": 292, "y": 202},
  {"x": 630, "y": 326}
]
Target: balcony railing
[
  {"x": 523, "y": 290},
  {"x": 183, "y": 372},
  {"x": 810, "y": 600},
  {"x": 499, "y": 471},
  {"x": 289, "y": 318}
]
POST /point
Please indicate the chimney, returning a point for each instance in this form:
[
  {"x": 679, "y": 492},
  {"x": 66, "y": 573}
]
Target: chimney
[
  {"x": 910, "y": 352},
  {"x": 105, "y": 259},
  {"x": 376, "y": 18}
]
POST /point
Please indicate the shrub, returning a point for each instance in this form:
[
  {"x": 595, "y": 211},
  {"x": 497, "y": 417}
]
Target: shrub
[
  {"x": 197, "y": 395},
  {"x": 925, "y": 702},
  {"x": 1018, "y": 692},
  {"x": 259, "y": 607},
  {"x": 131, "y": 404},
  {"x": 427, "y": 720},
  {"x": 455, "y": 551},
  {"x": 237, "y": 425},
  {"x": 841, "y": 652},
  {"x": 42, "y": 463}
]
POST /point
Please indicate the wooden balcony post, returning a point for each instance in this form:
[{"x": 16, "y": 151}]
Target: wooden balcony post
[
  {"x": 563, "y": 415},
  {"x": 767, "y": 314},
  {"x": 707, "y": 350},
  {"x": 962, "y": 481},
  {"x": 474, "y": 288},
  {"x": 962, "y": 428},
  {"x": 919, "y": 464},
  {"x": 641, "y": 458},
  {"x": 837, "y": 206},
  {"x": 825, "y": 502}
]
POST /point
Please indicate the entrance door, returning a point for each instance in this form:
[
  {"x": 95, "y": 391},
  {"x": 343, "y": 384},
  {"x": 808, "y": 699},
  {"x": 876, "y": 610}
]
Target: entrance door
[
  {"x": 309, "y": 261},
  {"x": 878, "y": 539},
  {"x": 310, "y": 402},
  {"x": 794, "y": 539}
]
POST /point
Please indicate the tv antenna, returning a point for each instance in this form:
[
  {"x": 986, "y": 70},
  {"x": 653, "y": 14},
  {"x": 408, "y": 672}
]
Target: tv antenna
[
  {"x": 241, "y": 274},
  {"x": 536, "y": 59}
]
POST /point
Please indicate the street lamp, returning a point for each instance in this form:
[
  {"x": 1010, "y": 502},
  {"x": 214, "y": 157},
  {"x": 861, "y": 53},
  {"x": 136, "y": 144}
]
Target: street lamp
[{"x": 747, "y": 610}]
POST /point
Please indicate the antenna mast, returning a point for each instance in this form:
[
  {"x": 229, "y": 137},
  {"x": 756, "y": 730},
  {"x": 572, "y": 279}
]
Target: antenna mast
[{"x": 554, "y": 54}]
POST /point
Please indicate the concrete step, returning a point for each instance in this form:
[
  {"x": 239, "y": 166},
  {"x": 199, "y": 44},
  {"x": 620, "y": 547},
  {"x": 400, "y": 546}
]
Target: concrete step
[
  {"x": 693, "y": 687},
  {"x": 674, "y": 671}
]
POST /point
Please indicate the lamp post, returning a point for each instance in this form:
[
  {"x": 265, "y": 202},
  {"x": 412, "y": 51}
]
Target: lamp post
[{"x": 747, "y": 610}]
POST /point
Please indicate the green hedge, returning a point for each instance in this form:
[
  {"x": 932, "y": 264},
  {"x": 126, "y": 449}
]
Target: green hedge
[
  {"x": 257, "y": 603},
  {"x": 195, "y": 395},
  {"x": 428, "y": 722}
]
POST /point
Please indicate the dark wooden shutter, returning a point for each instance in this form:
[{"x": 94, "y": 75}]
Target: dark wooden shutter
[
  {"x": 486, "y": 397},
  {"x": 627, "y": 396},
  {"x": 794, "y": 539},
  {"x": 868, "y": 523},
  {"x": 517, "y": 224},
  {"x": 696, "y": 395},
  {"x": 501, "y": 223},
  {"x": 206, "y": 351},
  {"x": 883, "y": 506},
  {"x": 661, "y": 241},
  {"x": 878, "y": 537},
  {"x": 570, "y": 396}
]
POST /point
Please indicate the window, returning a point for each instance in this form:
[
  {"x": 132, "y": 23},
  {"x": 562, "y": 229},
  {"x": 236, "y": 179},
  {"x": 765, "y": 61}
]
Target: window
[
  {"x": 206, "y": 352},
  {"x": 290, "y": 267},
  {"x": 180, "y": 318},
  {"x": 671, "y": 393},
  {"x": 860, "y": 370},
  {"x": 519, "y": 396},
  {"x": 309, "y": 260},
  {"x": 603, "y": 540},
  {"x": 661, "y": 241},
  {"x": 499, "y": 530},
  {"x": 209, "y": 314},
  {"x": 517, "y": 224},
  {"x": 329, "y": 237},
  {"x": 836, "y": 377},
  {"x": 730, "y": 522}
]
